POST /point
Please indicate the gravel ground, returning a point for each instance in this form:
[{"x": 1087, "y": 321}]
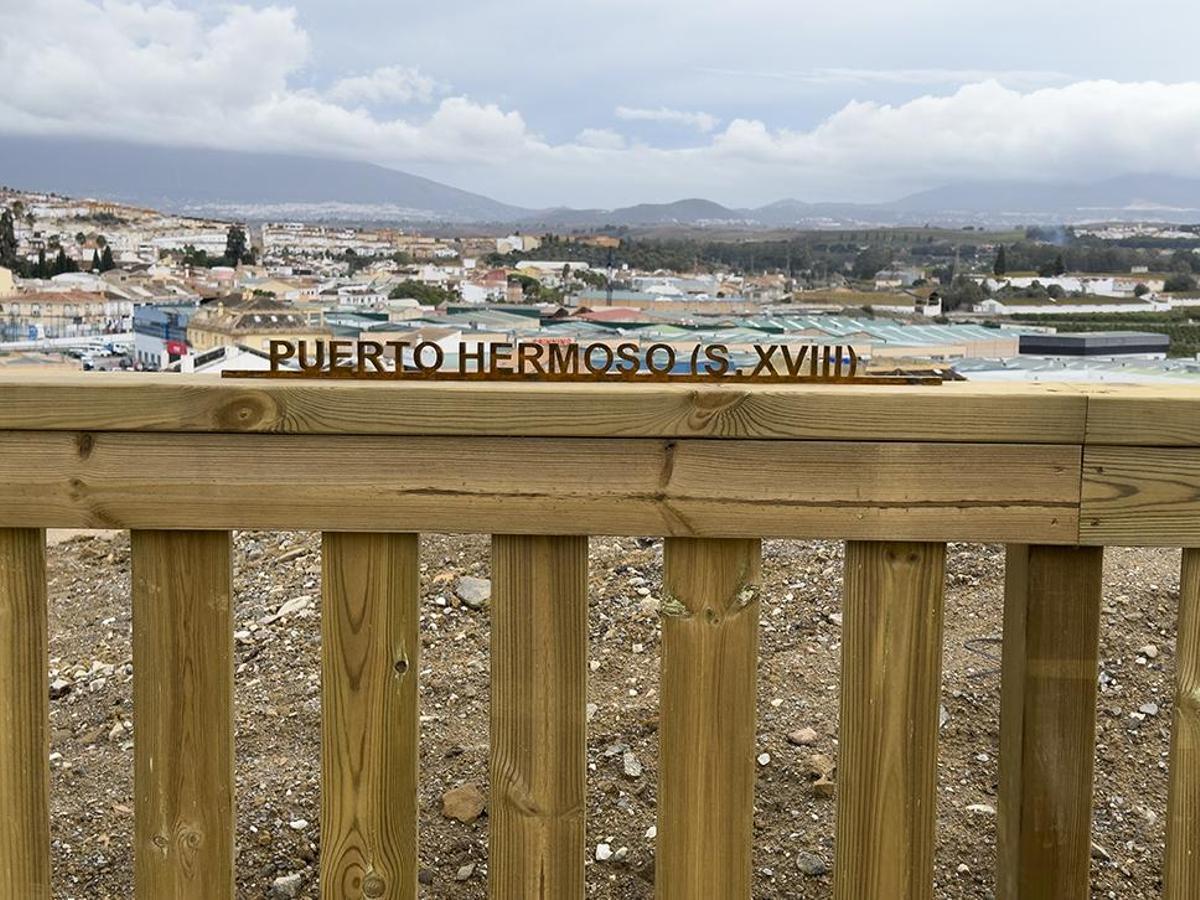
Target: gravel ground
[{"x": 278, "y": 711}]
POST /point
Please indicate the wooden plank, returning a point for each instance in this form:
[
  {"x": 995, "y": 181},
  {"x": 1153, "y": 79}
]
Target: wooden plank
[
  {"x": 369, "y": 665},
  {"x": 183, "y": 715},
  {"x": 538, "y": 759},
  {"x": 1048, "y": 721},
  {"x": 706, "y": 724},
  {"x": 887, "y": 761},
  {"x": 1148, "y": 416},
  {"x": 24, "y": 717},
  {"x": 542, "y": 485},
  {"x": 1140, "y": 496},
  {"x": 1008, "y": 413},
  {"x": 1181, "y": 873}
]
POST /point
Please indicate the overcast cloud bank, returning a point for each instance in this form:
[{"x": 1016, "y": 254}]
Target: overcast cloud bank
[{"x": 242, "y": 79}]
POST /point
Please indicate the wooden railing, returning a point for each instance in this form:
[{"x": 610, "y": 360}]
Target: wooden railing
[{"x": 1056, "y": 472}]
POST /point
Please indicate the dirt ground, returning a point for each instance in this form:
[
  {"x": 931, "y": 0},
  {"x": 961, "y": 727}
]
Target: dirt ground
[{"x": 278, "y": 711}]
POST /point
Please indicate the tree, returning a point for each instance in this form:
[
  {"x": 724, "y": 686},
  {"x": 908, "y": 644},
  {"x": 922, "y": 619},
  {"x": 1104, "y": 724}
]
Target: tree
[
  {"x": 8, "y": 242},
  {"x": 42, "y": 270},
  {"x": 431, "y": 294},
  {"x": 106, "y": 260},
  {"x": 1000, "y": 266},
  {"x": 1180, "y": 282},
  {"x": 95, "y": 260},
  {"x": 1060, "y": 267},
  {"x": 62, "y": 263},
  {"x": 235, "y": 246},
  {"x": 870, "y": 261},
  {"x": 1141, "y": 290},
  {"x": 963, "y": 291}
]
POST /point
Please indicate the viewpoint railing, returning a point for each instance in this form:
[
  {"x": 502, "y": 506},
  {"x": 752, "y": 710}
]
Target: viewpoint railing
[{"x": 1056, "y": 472}]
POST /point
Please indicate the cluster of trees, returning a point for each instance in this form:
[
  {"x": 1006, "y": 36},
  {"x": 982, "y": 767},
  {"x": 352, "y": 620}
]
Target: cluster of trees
[
  {"x": 809, "y": 256},
  {"x": 426, "y": 294},
  {"x": 1051, "y": 267},
  {"x": 45, "y": 268},
  {"x": 1088, "y": 256}
]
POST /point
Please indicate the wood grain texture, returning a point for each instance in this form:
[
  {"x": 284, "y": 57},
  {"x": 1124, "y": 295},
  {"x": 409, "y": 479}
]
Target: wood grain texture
[
  {"x": 1048, "y": 722},
  {"x": 538, "y": 760},
  {"x": 369, "y": 757},
  {"x": 706, "y": 724},
  {"x": 891, "y": 680},
  {"x": 24, "y": 718},
  {"x": 1007, "y": 413},
  {"x": 183, "y": 715},
  {"x": 1181, "y": 872},
  {"x": 1143, "y": 415},
  {"x": 798, "y": 489},
  {"x": 1140, "y": 496}
]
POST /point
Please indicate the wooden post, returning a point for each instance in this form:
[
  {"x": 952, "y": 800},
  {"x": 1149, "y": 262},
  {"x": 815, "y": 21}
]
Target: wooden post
[
  {"x": 369, "y": 664},
  {"x": 887, "y": 762},
  {"x": 539, "y": 719},
  {"x": 24, "y": 717},
  {"x": 706, "y": 725},
  {"x": 183, "y": 715},
  {"x": 1181, "y": 874},
  {"x": 1048, "y": 721}
]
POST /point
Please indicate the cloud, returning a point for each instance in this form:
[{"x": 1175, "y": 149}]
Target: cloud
[
  {"x": 986, "y": 130},
  {"x": 701, "y": 121},
  {"x": 839, "y": 76},
  {"x": 390, "y": 84},
  {"x": 601, "y": 139},
  {"x": 240, "y": 78}
]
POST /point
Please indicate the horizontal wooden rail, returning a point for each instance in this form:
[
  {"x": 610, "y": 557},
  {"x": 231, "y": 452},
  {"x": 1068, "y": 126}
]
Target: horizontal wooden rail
[
  {"x": 694, "y": 488},
  {"x": 1140, "y": 496},
  {"x": 999, "y": 413}
]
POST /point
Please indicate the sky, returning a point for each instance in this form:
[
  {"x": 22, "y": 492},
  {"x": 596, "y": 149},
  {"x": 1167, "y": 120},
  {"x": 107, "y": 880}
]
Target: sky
[{"x": 604, "y": 103}]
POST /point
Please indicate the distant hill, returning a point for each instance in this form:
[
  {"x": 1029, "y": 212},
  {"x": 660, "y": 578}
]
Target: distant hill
[
  {"x": 216, "y": 181},
  {"x": 681, "y": 212},
  {"x": 256, "y": 186},
  {"x": 1127, "y": 196}
]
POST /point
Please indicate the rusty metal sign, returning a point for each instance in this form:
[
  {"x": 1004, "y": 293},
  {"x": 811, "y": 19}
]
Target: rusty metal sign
[{"x": 568, "y": 362}]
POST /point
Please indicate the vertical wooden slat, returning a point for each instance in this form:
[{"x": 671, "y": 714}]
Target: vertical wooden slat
[
  {"x": 369, "y": 716},
  {"x": 24, "y": 717},
  {"x": 887, "y": 759},
  {"x": 538, "y": 717},
  {"x": 183, "y": 714},
  {"x": 1181, "y": 874},
  {"x": 1048, "y": 721},
  {"x": 706, "y": 724}
]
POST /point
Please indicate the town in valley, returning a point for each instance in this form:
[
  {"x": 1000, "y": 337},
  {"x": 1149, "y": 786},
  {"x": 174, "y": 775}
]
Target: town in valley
[{"x": 98, "y": 285}]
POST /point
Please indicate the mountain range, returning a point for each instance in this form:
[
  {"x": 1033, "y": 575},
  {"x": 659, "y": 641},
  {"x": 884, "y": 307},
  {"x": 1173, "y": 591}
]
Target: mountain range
[{"x": 269, "y": 186}]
